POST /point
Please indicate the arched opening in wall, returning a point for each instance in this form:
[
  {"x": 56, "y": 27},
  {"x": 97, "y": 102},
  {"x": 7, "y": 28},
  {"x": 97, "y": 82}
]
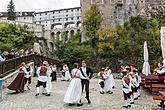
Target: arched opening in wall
[
  {"x": 56, "y": 26},
  {"x": 72, "y": 33},
  {"x": 52, "y": 36},
  {"x": 69, "y": 25},
  {"x": 78, "y": 31},
  {"x": 78, "y": 24},
  {"x": 51, "y": 46},
  {"x": 58, "y": 36}
]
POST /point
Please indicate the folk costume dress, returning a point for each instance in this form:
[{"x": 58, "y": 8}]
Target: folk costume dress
[
  {"x": 108, "y": 82},
  {"x": 74, "y": 91}
]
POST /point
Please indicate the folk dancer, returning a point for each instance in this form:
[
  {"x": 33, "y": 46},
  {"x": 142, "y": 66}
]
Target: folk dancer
[
  {"x": 102, "y": 77},
  {"x": 49, "y": 81},
  {"x": 74, "y": 91},
  {"x": 126, "y": 83},
  {"x": 28, "y": 73},
  {"x": 88, "y": 73},
  {"x": 108, "y": 83},
  {"x": 42, "y": 73}
]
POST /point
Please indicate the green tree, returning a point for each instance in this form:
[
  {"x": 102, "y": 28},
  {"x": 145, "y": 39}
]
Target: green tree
[
  {"x": 92, "y": 22},
  {"x": 16, "y": 36},
  {"x": 11, "y": 11},
  {"x": 73, "y": 51}
]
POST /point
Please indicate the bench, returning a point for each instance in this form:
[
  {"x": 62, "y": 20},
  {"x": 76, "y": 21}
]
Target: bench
[
  {"x": 157, "y": 87},
  {"x": 161, "y": 97},
  {"x": 150, "y": 79}
]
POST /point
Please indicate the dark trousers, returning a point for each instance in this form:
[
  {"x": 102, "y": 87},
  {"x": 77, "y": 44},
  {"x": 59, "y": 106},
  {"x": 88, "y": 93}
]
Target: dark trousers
[
  {"x": 102, "y": 84},
  {"x": 86, "y": 84},
  {"x": 27, "y": 80},
  {"x": 126, "y": 95}
]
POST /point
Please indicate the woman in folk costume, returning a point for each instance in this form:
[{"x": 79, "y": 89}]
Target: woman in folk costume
[
  {"x": 67, "y": 73},
  {"x": 49, "y": 81},
  {"x": 102, "y": 77},
  {"x": 42, "y": 73},
  {"x": 108, "y": 81},
  {"x": 111, "y": 78},
  {"x": 126, "y": 83},
  {"x": 74, "y": 91},
  {"x": 19, "y": 82}
]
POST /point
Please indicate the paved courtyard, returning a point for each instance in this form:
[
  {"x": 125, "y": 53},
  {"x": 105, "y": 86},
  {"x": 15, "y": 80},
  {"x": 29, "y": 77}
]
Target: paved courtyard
[{"x": 28, "y": 101}]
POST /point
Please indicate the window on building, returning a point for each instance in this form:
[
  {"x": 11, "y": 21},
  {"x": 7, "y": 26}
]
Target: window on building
[
  {"x": 45, "y": 13},
  {"x": 53, "y": 20},
  {"x": 72, "y": 10},
  {"x": 59, "y": 20},
  {"x": 66, "y": 15},
  {"x": 66, "y": 19},
  {"x": 24, "y": 17},
  {"x": 78, "y": 17},
  {"x": 40, "y": 18},
  {"x": 58, "y": 11},
  {"x": 40, "y": 22},
  {"x": 72, "y": 18},
  {"x": 78, "y": 9},
  {"x": 66, "y": 10},
  {"x": 112, "y": 1},
  {"x": 53, "y": 16}
]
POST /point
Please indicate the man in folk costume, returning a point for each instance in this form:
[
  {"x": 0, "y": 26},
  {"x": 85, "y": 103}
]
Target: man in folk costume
[
  {"x": 42, "y": 73},
  {"x": 108, "y": 81},
  {"x": 126, "y": 83},
  {"x": 86, "y": 72},
  {"x": 28, "y": 73},
  {"x": 74, "y": 91},
  {"x": 53, "y": 68},
  {"x": 102, "y": 77}
]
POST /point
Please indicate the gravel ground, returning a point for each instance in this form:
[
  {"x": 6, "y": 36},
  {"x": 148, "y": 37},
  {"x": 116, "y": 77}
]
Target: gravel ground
[{"x": 28, "y": 101}]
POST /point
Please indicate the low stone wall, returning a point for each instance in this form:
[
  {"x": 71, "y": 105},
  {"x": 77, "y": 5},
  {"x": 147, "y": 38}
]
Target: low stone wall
[{"x": 9, "y": 78}]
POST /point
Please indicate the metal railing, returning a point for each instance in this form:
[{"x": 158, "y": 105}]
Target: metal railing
[{"x": 11, "y": 65}]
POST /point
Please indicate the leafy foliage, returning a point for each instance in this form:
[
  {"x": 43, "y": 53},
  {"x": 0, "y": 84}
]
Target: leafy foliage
[
  {"x": 73, "y": 50},
  {"x": 15, "y": 36}
]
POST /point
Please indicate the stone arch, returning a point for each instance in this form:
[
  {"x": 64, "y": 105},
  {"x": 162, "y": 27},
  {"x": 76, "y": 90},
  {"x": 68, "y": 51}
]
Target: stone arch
[
  {"x": 72, "y": 32},
  {"x": 58, "y": 35},
  {"x": 51, "y": 46},
  {"x": 52, "y": 36},
  {"x": 78, "y": 31}
]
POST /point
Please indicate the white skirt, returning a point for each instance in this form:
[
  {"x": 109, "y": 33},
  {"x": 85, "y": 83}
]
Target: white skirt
[
  {"x": 67, "y": 75},
  {"x": 108, "y": 84},
  {"x": 49, "y": 85},
  {"x": 112, "y": 80},
  {"x": 74, "y": 91}
]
